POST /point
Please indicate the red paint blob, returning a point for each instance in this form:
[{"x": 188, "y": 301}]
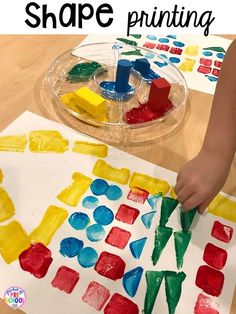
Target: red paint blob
[
  {"x": 149, "y": 45},
  {"x": 215, "y": 256},
  {"x": 120, "y": 305},
  {"x": 141, "y": 114},
  {"x": 206, "y": 62},
  {"x": 36, "y": 260},
  {"x": 110, "y": 265},
  {"x": 162, "y": 47},
  {"x": 96, "y": 295},
  {"x": 203, "y": 69},
  {"x": 158, "y": 96},
  {"x": 65, "y": 279},
  {"x": 217, "y": 64},
  {"x": 205, "y": 305},
  {"x": 176, "y": 51},
  {"x": 127, "y": 214},
  {"x": 118, "y": 237},
  {"x": 137, "y": 195},
  {"x": 222, "y": 232},
  {"x": 216, "y": 72},
  {"x": 210, "y": 280}
]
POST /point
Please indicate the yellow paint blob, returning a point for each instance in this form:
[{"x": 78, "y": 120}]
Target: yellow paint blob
[
  {"x": 72, "y": 194},
  {"x": 51, "y": 222},
  {"x": 13, "y": 241},
  {"x": 187, "y": 65},
  {"x": 13, "y": 143},
  {"x": 172, "y": 193},
  {"x": 1, "y": 176},
  {"x": 191, "y": 50},
  {"x": 7, "y": 209},
  {"x": 223, "y": 207},
  {"x": 104, "y": 170},
  {"x": 87, "y": 148}
]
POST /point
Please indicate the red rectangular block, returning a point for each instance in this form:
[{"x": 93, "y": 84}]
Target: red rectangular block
[
  {"x": 149, "y": 45},
  {"x": 203, "y": 69},
  {"x": 162, "y": 47},
  {"x": 127, "y": 214},
  {"x": 206, "y": 305},
  {"x": 206, "y": 62},
  {"x": 96, "y": 295},
  {"x": 137, "y": 195},
  {"x": 118, "y": 237},
  {"x": 65, "y": 279},
  {"x": 176, "y": 51},
  {"x": 215, "y": 256},
  {"x": 159, "y": 93},
  {"x": 120, "y": 305},
  {"x": 222, "y": 232}
]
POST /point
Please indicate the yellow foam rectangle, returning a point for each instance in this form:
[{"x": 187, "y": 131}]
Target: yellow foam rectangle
[
  {"x": 51, "y": 222},
  {"x": 1, "y": 176},
  {"x": 187, "y": 65},
  {"x": 223, "y": 207},
  {"x": 94, "y": 149},
  {"x": 13, "y": 143},
  {"x": 192, "y": 50},
  {"x": 7, "y": 209}
]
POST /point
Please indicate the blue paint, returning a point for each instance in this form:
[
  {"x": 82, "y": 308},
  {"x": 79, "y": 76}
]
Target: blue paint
[
  {"x": 95, "y": 233},
  {"x": 90, "y": 202},
  {"x": 122, "y": 76},
  {"x": 150, "y": 55},
  {"x": 153, "y": 200},
  {"x": 99, "y": 187},
  {"x": 207, "y": 53},
  {"x": 71, "y": 247},
  {"x": 171, "y": 36},
  {"x": 163, "y": 40},
  {"x": 178, "y": 44},
  {"x": 136, "y": 247},
  {"x": 131, "y": 280},
  {"x": 103, "y": 215},
  {"x": 117, "y": 46},
  {"x": 88, "y": 257},
  {"x": 161, "y": 64},
  {"x": 163, "y": 56},
  {"x": 108, "y": 89},
  {"x": 174, "y": 60},
  {"x": 151, "y": 37},
  {"x": 79, "y": 221},
  {"x": 114, "y": 193},
  {"x": 147, "y": 219},
  {"x": 220, "y": 55},
  {"x": 211, "y": 78}
]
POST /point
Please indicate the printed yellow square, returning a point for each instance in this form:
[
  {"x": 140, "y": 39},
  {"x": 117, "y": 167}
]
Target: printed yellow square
[
  {"x": 13, "y": 143},
  {"x": 7, "y": 209},
  {"x": 87, "y": 148}
]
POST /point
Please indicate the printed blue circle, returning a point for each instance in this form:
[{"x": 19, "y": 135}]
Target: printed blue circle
[
  {"x": 178, "y": 43},
  {"x": 163, "y": 56},
  {"x": 220, "y": 55},
  {"x": 79, "y": 221},
  {"x": 103, "y": 215},
  {"x": 71, "y": 247},
  {"x": 151, "y": 37},
  {"x": 207, "y": 53},
  {"x": 95, "y": 233},
  {"x": 174, "y": 59},
  {"x": 114, "y": 193},
  {"x": 90, "y": 202},
  {"x": 163, "y": 40},
  {"x": 99, "y": 187},
  {"x": 88, "y": 257},
  {"x": 150, "y": 55}
]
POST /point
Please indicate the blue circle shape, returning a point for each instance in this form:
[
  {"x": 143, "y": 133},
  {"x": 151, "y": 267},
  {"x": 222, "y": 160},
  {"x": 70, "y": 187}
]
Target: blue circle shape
[
  {"x": 99, "y": 187},
  {"x": 95, "y": 233},
  {"x": 151, "y": 37},
  {"x": 174, "y": 59},
  {"x": 88, "y": 257},
  {"x": 178, "y": 43},
  {"x": 207, "y": 53},
  {"x": 90, "y": 202},
  {"x": 103, "y": 215},
  {"x": 220, "y": 55},
  {"x": 114, "y": 193},
  {"x": 163, "y": 40},
  {"x": 71, "y": 247},
  {"x": 79, "y": 221}
]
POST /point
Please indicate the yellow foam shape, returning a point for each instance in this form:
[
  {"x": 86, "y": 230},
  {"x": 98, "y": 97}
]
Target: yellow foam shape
[
  {"x": 51, "y": 222},
  {"x": 13, "y": 143},
  {"x": 149, "y": 184},
  {"x": 99, "y": 150},
  {"x": 1, "y": 176},
  {"x": 13, "y": 241},
  {"x": 192, "y": 50},
  {"x": 42, "y": 141},
  {"x": 7, "y": 209},
  {"x": 187, "y": 65},
  {"x": 172, "y": 193},
  {"x": 103, "y": 170},
  {"x": 223, "y": 207},
  {"x": 72, "y": 194}
]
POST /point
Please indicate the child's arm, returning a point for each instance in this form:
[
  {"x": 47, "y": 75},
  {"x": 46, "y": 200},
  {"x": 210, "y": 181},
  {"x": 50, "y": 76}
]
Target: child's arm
[{"x": 202, "y": 178}]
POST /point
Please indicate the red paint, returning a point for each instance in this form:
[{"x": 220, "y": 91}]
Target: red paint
[
  {"x": 141, "y": 114},
  {"x": 65, "y": 279},
  {"x": 210, "y": 280},
  {"x": 149, "y": 45},
  {"x": 216, "y": 72},
  {"x": 118, "y": 237},
  {"x": 176, "y": 51},
  {"x": 217, "y": 63},
  {"x": 162, "y": 47},
  {"x": 206, "y": 305},
  {"x": 127, "y": 214},
  {"x": 137, "y": 195},
  {"x": 203, "y": 69},
  {"x": 215, "y": 256},
  {"x": 120, "y": 305},
  {"x": 96, "y": 295},
  {"x": 158, "y": 96},
  {"x": 222, "y": 232},
  {"x": 110, "y": 265},
  {"x": 36, "y": 260},
  {"x": 206, "y": 62}
]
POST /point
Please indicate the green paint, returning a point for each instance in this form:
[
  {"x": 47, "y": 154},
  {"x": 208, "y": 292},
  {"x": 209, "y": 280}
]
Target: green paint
[
  {"x": 217, "y": 49},
  {"x": 132, "y": 53},
  {"x": 167, "y": 207},
  {"x": 128, "y": 42},
  {"x": 173, "y": 286},
  {"x": 153, "y": 280},
  {"x": 82, "y": 72},
  {"x": 181, "y": 244},
  {"x": 162, "y": 235},
  {"x": 137, "y": 36},
  {"x": 186, "y": 218}
]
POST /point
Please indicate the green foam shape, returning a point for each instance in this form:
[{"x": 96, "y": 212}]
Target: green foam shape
[
  {"x": 181, "y": 244},
  {"x": 162, "y": 235},
  {"x": 137, "y": 36},
  {"x": 173, "y": 287},
  {"x": 83, "y": 71},
  {"x": 217, "y": 49},
  {"x": 128, "y": 41},
  {"x": 186, "y": 218},
  {"x": 153, "y": 280},
  {"x": 167, "y": 207},
  {"x": 132, "y": 53}
]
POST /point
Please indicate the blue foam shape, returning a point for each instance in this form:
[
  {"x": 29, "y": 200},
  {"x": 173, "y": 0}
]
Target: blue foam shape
[
  {"x": 99, "y": 187},
  {"x": 79, "y": 221},
  {"x": 147, "y": 219},
  {"x": 87, "y": 257},
  {"x": 131, "y": 280},
  {"x": 136, "y": 247},
  {"x": 95, "y": 233},
  {"x": 153, "y": 200},
  {"x": 142, "y": 65},
  {"x": 90, "y": 202},
  {"x": 103, "y": 215},
  {"x": 114, "y": 193},
  {"x": 71, "y": 247},
  {"x": 150, "y": 76},
  {"x": 122, "y": 76}
]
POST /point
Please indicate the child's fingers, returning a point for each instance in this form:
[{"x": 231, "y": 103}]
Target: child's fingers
[
  {"x": 203, "y": 206},
  {"x": 192, "y": 202},
  {"x": 179, "y": 185},
  {"x": 184, "y": 194}
]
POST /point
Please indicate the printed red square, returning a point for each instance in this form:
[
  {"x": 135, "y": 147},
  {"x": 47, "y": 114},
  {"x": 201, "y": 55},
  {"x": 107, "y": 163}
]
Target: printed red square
[
  {"x": 216, "y": 72},
  {"x": 65, "y": 279},
  {"x": 217, "y": 64},
  {"x": 96, "y": 295},
  {"x": 215, "y": 256},
  {"x": 127, "y": 214},
  {"x": 222, "y": 232},
  {"x": 118, "y": 237},
  {"x": 110, "y": 265},
  {"x": 137, "y": 195},
  {"x": 162, "y": 47},
  {"x": 206, "y": 62},
  {"x": 149, "y": 45},
  {"x": 210, "y": 280},
  {"x": 204, "y": 70},
  {"x": 120, "y": 305},
  {"x": 206, "y": 305},
  {"x": 176, "y": 51}
]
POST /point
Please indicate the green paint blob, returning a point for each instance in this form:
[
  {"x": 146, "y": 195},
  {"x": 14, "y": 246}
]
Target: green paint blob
[
  {"x": 173, "y": 286},
  {"x": 132, "y": 53},
  {"x": 181, "y": 244},
  {"x": 167, "y": 207},
  {"x": 128, "y": 42},
  {"x": 153, "y": 280},
  {"x": 137, "y": 36},
  {"x": 82, "y": 72},
  {"x": 186, "y": 218},
  {"x": 217, "y": 49},
  {"x": 162, "y": 235}
]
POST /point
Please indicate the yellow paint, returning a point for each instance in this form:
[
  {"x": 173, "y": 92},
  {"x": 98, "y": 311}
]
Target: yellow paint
[
  {"x": 172, "y": 193},
  {"x": 103, "y": 170},
  {"x": 72, "y": 194},
  {"x": 149, "y": 184},
  {"x": 7, "y": 209},
  {"x": 191, "y": 50},
  {"x": 42, "y": 141},
  {"x": 1, "y": 176},
  {"x": 13, "y": 143},
  {"x": 223, "y": 207},
  {"x": 99, "y": 150},
  {"x": 51, "y": 222},
  {"x": 187, "y": 65},
  {"x": 13, "y": 241}
]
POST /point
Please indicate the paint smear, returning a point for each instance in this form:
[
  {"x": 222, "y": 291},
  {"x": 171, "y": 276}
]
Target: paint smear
[
  {"x": 83, "y": 71},
  {"x": 217, "y": 63},
  {"x": 191, "y": 50},
  {"x": 7, "y": 209},
  {"x": 90, "y": 202},
  {"x": 127, "y": 214},
  {"x": 1, "y": 176},
  {"x": 215, "y": 256},
  {"x": 172, "y": 193},
  {"x": 137, "y": 36},
  {"x": 206, "y": 62},
  {"x": 149, "y": 45},
  {"x": 136, "y": 247},
  {"x": 51, "y": 222},
  {"x": 162, "y": 236},
  {"x": 153, "y": 200},
  {"x": 216, "y": 72},
  {"x": 95, "y": 233},
  {"x": 150, "y": 55},
  {"x": 217, "y": 49},
  {"x": 176, "y": 51},
  {"x": 65, "y": 279},
  {"x": 118, "y": 237},
  {"x": 71, "y": 247},
  {"x": 36, "y": 260},
  {"x": 220, "y": 55},
  {"x": 137, "y": 195},
  {"x": 120, "y": 304},
  {"x": 147, "y": 219},
  {"x": 186, "y": 218},
  {"x": 72, "y": 194},
  {"x": 99, "y": 187},
  {"x": 151, "y": 37},
  {"x": 13, "y": 241},
  {"x": 179, "y": 44},
  {"x": 128, "y": 41},
  {"x": 171, "y": 36},
  {"x": 206, "y": 305},
  {"x": 207, "y": 53},
  {"x": 181, "y": 244},
  {"x": 161, "y": 65},
  {"x": 79, "y": 220},
  {"x": 187, "y": 65},
  {"x": 203, "y": 69},
  {"x": 163, "y": 40},
  {"x": 43, "y": 141},
  {"x": 168, "y": 205},
  {"x": 87, "y": 257},
  {"x": 174, "y": 60},
  {"x": 87, "y": 148},
  {"x": 173, "y": 287},
  {"x": 110, "y": 266},
  {"x": 153, "y": 280},
  {"x": 131, "y": 281},
  {"x": 211, "y": 78},
  {"x": 223, "y": 207},
  {"x": 162, "y": 47},
  {"x": 104, "y": 170},
  {"x": 114, "y": 193},
  {"x": 13, "y": 143},
  {"x": 96, "y": 295},
  {"x": 135, "y": 52},
  {"x": 222, "y": 232},
  {"x": 103, "y": 215}
]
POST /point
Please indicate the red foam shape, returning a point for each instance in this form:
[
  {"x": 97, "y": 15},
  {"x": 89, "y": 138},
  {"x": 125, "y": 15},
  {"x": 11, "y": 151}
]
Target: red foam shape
[
  {"x": 217, "y": 63},
  {"x": 206, "y": 305},
  {"x": 215, "y": 256},
  {"x": 141, "y": 114},
  {"x": 36, "y": 260},
  {"x": 162, "y": 47},
  {"x": 127, "y": 214},
  {"x": 110, "y": 265},
  {"x": 96, "y": 295},
  {"x": 65, "y": 279},
  {"x": 203, "y": 69},
  {"x": 176, "y": 51},
  {"x": 118, "y": 237},
  {"x": 206, "y": 62},
  {"x": 222, "y": 232},
  {"x": 210, "y": 280},
  {"x": 137, "y": 195},
  {"x": 216, "y": 72},
  {"x": 149, "y": 45},
  {"x": 158, "y": 96},
  {"x": 120, "y": 305}
]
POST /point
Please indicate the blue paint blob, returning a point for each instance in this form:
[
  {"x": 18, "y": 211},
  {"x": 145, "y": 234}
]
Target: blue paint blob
[
  {"x": 163, "y": 56},
  {"x": 163, "y": 40},
  {"x": 79, "y": 221},
  {"x": 220, "y": 55},
  {"x": 136, "y": 247},
  {"x": 95, "y": 233},
  {"x": 207, "y": 53},
  {"x": 171, "y": 36},
  {"x": 161, "y": 64},
  {"x": 108, "y": 89},
  {"x": 88, "y": 257},
  {"x": 90, "y": 202},
  {"x": 114, "y": 193},
  {"x": 174, "y": 60},
  {"x": 131, "y": 280},
  {"x": 71, "y": 247},
  {"x": 178, "y": 43},
  {"x": 150, "y": 55},
  {"x": 147, "y": 219},
  {"x": 151, "y": 37},
  {"x": 153, "y": 200},
  {"x": 103, "y": 215},
  {"x": 212, "y": 78},
  {"x": 99, "y": 187}
]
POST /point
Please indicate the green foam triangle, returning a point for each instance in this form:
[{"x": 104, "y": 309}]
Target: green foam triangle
[
  {"x": 173, "y": 287},
  {"x": 153, "y": 280},
  {"x": 181, "y": 244},
  {"x": 167, "y": 207},
  {"x": 162, "y": 235}
]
